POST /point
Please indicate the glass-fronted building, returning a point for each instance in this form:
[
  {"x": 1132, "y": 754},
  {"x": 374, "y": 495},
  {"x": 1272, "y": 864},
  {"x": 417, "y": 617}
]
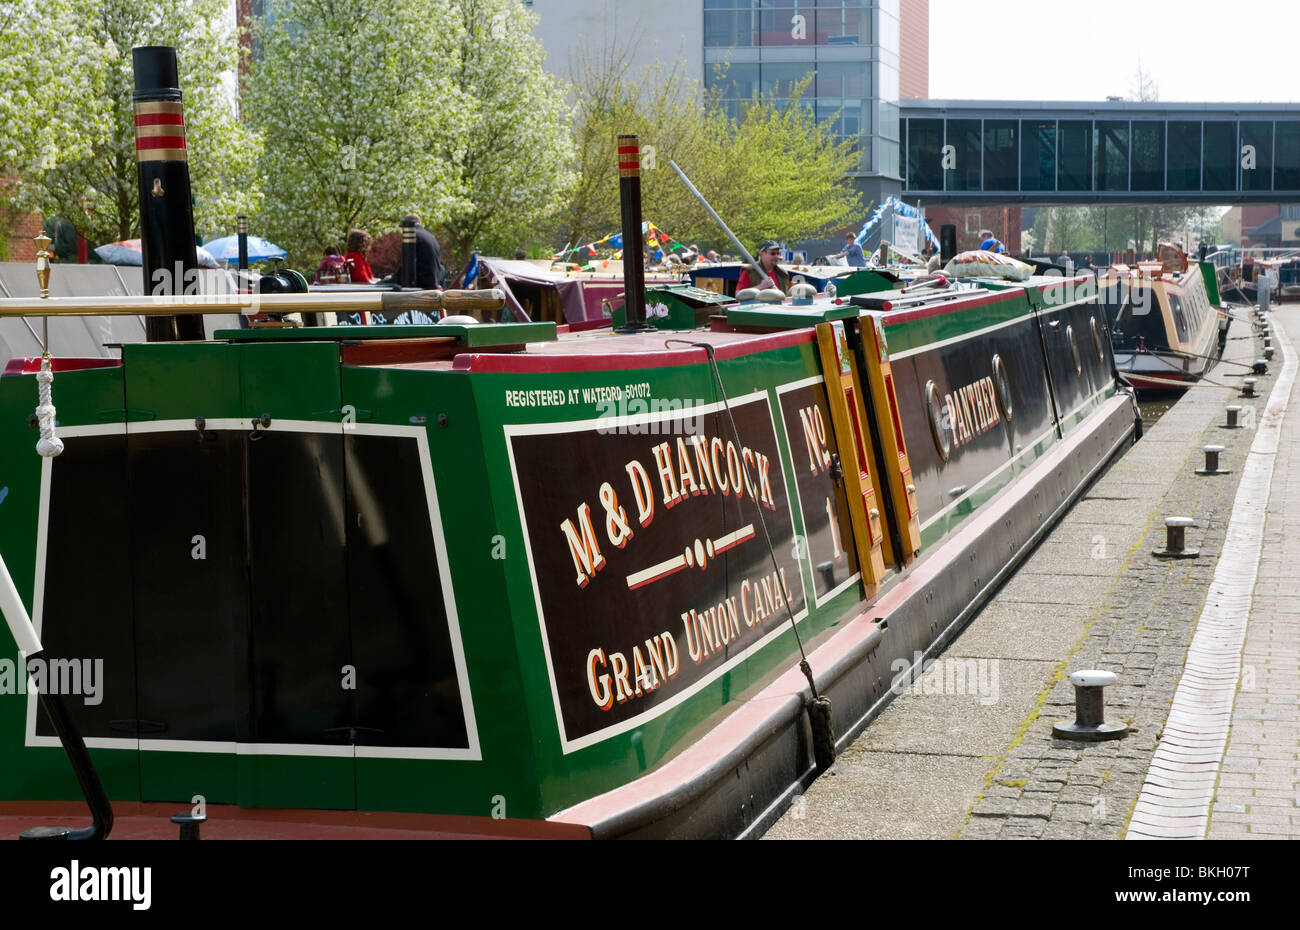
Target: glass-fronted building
[
  {"x": 850, "y": 53},
  {"x": 847, "y": 50},
  {"x": 973, "y": 151}
]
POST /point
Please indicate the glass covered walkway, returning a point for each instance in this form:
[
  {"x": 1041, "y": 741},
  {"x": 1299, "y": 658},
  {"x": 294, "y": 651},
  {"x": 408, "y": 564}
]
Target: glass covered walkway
[{"x": 967, "y": 152}]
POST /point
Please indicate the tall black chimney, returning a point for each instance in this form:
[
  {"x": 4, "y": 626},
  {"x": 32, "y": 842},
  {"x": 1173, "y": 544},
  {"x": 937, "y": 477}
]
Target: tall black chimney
[
  {"x": 629, "y": 194},
  {"x": 166, "y": 212}
]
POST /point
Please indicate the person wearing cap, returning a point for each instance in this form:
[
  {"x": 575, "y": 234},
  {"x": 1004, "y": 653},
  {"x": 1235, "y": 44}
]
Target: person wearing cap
[{"x": 768, "y": 255}]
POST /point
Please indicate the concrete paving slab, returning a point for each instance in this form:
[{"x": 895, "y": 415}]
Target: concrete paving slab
[
  {"x": 887, "y": 795},
  {"x": 1017, "y": 630},
  {"x": 978, "y": 720}
]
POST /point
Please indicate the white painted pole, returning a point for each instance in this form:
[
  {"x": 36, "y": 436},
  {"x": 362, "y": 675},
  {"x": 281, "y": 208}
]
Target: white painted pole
[{"x": 11, "y": 605}]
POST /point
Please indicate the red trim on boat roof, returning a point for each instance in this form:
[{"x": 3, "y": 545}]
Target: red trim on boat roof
[
  {"x": 541, "y": 362},
  {"x": 30, "y": 366}
]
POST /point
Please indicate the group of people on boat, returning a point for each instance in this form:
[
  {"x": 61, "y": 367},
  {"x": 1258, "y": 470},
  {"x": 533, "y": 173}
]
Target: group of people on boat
[{"x": 353, "y": 267}]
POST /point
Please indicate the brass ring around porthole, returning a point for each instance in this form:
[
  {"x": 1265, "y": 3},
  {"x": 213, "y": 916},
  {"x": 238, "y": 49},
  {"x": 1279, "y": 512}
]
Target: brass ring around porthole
[
  {"x": 1096, "y": 339},
  {"x": 934, "y": 406},
  {"x": 1074, "y": 350},
  {"x": 1002, "y": 387}
]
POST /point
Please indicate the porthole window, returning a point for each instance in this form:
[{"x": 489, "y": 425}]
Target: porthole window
[
  {"x": 1096, "y": 339},
  {"x": 934, "y": 405},
  {"x": 1002, "y": 385},
  {"x": 1074, "y": 350}
]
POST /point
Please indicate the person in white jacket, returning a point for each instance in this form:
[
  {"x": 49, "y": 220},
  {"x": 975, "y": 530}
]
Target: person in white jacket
[{"x": 1264, "y": 286}]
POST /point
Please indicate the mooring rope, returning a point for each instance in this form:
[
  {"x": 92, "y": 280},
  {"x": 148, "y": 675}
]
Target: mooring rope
[
  {"x": 819, "y": 712},
  {"x": 49, "y": 445}
]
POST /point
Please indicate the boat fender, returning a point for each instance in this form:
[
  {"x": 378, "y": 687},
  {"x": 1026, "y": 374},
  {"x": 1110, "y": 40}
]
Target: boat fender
[
  {"x": 803, "y": 291},
  {"x": 49, "y": 445},
  {"x": 747, "y": 293},
  {"x": 819, "y": 716},
  {"x": 458, "y": 320},
  {"x": 771, "y": 295}
]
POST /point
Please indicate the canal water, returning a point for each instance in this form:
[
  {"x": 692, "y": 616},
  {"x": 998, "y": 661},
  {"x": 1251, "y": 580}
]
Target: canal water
[{"x": 1154, "y": 407}]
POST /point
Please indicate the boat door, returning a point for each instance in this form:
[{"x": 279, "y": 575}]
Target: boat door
[
  {"x": 301, "y": 674},
  {"x": 185, "y": 577},
  {"x": 239, "y": 576}
]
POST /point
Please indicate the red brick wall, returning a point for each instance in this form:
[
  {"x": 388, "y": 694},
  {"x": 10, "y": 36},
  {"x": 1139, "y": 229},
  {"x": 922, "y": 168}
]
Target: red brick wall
[
  {"x": 914, "y": 55},
  {"x": 21, "y": 246},
  {"x": 1004, "y": 221},
  {"x": 1254, "y": 215}
]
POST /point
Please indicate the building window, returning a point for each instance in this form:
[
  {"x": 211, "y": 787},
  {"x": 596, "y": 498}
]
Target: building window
[
  {"x": 1183, "y": 160},
  {"x": 1148, "y": 156},
  {"x": 1259, "y": 135},
  {"x": 1221, "y": 156},
  {"x": 1038, "y": 155},
  {"x": 1111, "y": 146},
  {"x": 1287, "y": 157},
  {"x": 1000, "y": 151},
  {"x": 925, "y": 154},
  {"x": 1074, "y": 161},
  {"x": 964, "y": 137}
]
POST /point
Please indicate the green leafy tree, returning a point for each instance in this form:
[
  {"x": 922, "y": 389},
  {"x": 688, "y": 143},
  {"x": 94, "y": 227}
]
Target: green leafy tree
[
  {"x": 510, "y": 153},
  {"x": 789, "y": 174},
  {"x": 358, "y": 108},
  {"x": 673, "y": 120},
  {"x": 773, "y": 172},
  {"x": 48, "y": 76},
  {"x": 91, "y": 181}
]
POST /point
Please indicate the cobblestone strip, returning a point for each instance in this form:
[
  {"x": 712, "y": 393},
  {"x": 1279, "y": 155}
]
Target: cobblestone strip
[
  {"x": 1175, "y": 799},
  {"x": 1141, "y": 629},
  {"x": 1258, "y": 793}
]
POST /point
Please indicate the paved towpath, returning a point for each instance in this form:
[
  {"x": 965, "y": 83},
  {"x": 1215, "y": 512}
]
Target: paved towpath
[
  {"x": 967, "y": 752},
  {"x": 1258, "y": 790}
]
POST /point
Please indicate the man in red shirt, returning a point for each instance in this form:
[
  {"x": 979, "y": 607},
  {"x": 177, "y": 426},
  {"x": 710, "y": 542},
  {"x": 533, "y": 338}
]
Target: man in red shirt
[{"x": 768, "y": 253}]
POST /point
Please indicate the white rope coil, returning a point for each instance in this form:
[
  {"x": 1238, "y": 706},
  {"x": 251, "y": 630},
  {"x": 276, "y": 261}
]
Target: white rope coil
[{"x": 49, "y": 445}]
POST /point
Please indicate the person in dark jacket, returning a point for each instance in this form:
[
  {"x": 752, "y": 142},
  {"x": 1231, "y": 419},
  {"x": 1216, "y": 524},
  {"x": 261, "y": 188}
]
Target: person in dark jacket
[{"x": 429, "y": 273}]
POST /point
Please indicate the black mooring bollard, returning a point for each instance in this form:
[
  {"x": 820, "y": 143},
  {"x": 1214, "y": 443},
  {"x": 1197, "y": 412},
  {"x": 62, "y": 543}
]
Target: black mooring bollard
[
  {"x": 189, "y": 824},
  {"x": 1247, "y": 387},
  {"x": 1212, "y": 461},
  {"x": 1176, "y": 540},
  {"x": 1260, "y": 367},
  {"x": 1090, "y": 709},
  {"x": 1232, "y": 423}
]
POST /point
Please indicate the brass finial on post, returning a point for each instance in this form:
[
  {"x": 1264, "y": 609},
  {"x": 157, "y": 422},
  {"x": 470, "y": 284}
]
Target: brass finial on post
[{"x": 43, "y": 256}]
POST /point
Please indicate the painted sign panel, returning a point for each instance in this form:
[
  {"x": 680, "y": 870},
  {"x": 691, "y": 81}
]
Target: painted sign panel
[
  {"x": 907, "y": 232},
  {"x": 650, "y": 568},
  {"x": 827, "y": 530}
]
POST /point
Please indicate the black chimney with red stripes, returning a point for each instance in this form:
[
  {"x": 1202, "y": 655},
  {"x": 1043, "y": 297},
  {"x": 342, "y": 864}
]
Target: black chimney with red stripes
[
  {"x": 166, "y": 211},
  {"x": 629, "y": 195}
]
